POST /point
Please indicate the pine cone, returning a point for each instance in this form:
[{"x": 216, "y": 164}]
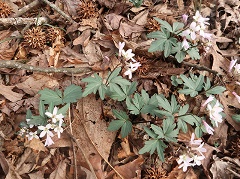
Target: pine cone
[
  {"x": 35, "y": 38},
  {"x": 5, "y": 10},
  {"x": 53, "y": 33}
]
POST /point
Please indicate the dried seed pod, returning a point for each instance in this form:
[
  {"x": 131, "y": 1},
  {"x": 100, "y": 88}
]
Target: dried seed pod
[
  {"x": 53, "y": 33},
  {"x": 87, "y": 10},
  {"x": 35, "y": 38},
  {"x": 5, "y": 10},
  {"x": 152, "y": 25}
]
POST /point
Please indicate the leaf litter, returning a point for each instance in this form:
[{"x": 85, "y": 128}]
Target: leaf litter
[{"x": 92, "y": 42}]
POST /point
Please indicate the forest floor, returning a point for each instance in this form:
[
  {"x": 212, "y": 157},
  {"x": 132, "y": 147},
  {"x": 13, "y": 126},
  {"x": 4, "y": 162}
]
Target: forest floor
[{"x": 52, "y": 44}]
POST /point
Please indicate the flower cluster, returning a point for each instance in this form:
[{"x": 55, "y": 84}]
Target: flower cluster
[
  {"x": 128, "y": 55},
  {"x": 193, "y": 156},
  {"x": 54, "y": 125},
  {"x": 196, "y": 30},
  {"x": 215, "y": 112}
]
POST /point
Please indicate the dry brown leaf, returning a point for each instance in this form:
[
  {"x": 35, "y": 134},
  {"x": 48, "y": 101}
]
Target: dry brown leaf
[
  {"x": 108, "y": 3},
  {"x": 36, "y": 144},
  {"x": 4, "y": 163},
  {"x": 95, "y": 126},
  {"x": 92, "y": 52},
  {"x": 82, "y": 38},
  {"x": 37, "y": 82},
  {"x": 126, "y": 29},
  {"x": 141, "y": 18},
  {"x": 128, "y": 171},
  {"x": 60, "y": 171},
  {"x": 27, "y": 162},
  {"x": 227, "y": 100},
  {"x": 112, "y": 21},
  {"x": 7, "y": 92},
  {"x": 177, "y": 173},
  {"x": 12, "y": 173},
  {"x": 162, "y": 9},
  {"x": 180, "y": 4},
  {"x": 37, "y": 175}
]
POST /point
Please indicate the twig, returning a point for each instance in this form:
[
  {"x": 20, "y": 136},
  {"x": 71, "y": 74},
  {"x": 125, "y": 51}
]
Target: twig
[
  {"x": 18, "y": 65},
  {"x": 26, "y": 8},
  {"x": 233, "y": 172},
  {"x": 23, "y": 21},
  {"x": 98, "y": 150},
  {"x": 199, "y": 67},
  {"x": 84, "y": 155},
  {"x": 59, "y": 11}
]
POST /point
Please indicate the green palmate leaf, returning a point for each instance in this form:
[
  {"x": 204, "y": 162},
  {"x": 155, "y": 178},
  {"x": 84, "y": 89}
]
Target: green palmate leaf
[
  {"x": 190, "y": 92},
  {"x": 136, "y": 3},
  {"x": 199, "y": 83},
  {"x": 180, "y": 56},
  {"x": 131, "y": 107},
  {"x": 194, "y": 53},
  {"x": 207, "y": 84},
  {"x": 150, "y": 133},
  {"x": 160, "y": 150},
  {"x": 163, "y": 102},
  {"x": 157, "y": 130},
  {"x": 29, "y": 114},
  {"x": 157, "y": 45},
  {"x": 64, "y": 109},
  {"x": 174, "y": 105},
  {"x": 126, "y": 129},
  {"x": 120, "y": 115},
  {"x": 164, "y": 24},
  {"x": 94, "y": 83},
  {"x": 72, "y": 93},
  {"x": 149, "y": 146},
  {"x": 170, "y": 134},
  {"x": 145, "y": 96},
  {"x": 215, "y": 90},
  {"x": 48, "y": 96},
  {"x": 198, "y": 132},
  {"x": 41, "y": 108},
  {"x": 183, "y": 110},
  {"x": 236, "y": 117},
  {"x": 132, "y": 88},
  {"x": 182, "y": 126},
  {"x": 123, "y": 123},
  {"x": 115, "y": 125},
  {"x": 114, "y": 74},
  {"x": 177, "y": 26},
  {"x": 167, "y": 48},
  {"x": 138, "y": 101},
  {"x": 188, "y": 82},
  {"x": 157, "y": 35},
  {"x": 38, "y": 120}
]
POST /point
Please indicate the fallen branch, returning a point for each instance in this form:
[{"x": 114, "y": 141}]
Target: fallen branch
[
  {"x": 26, "y": 8},
  {"x": 23, "y": 21},
  {"x": 18, "y": 65},
  {"x": 199, "y": 67},
  {"x": 59, "y": 11}
]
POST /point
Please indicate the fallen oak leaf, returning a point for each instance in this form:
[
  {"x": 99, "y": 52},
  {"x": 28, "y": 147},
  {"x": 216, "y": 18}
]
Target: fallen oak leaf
[{"x": 7, "y": 92}]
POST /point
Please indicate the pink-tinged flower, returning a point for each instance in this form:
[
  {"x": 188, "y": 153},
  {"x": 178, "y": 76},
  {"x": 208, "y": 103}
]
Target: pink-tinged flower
[
  {"x": 197, "y": 160},
  {"x": 237, "y": 96},
  {"x": 58, "y": 130},
  {"x": 237, "y": 69},
  {"x": 200, "y": 19},
  {"x": 185, "y": 44},
  {"x": 45, "y": 130},
  {"x": 200, "y": 149},
  {"x": 48, "y": 141},
  {"x": 195, "y": 142},
  {"x": 232, "y": 63},
  {"x": 207, "y": 36},
  {"x": 208, "y": 128},
  {"x": 120, "y": 48},
  {"x": 238, "y": 83},
  {"x": 185, "y": 160},
  {"x": 193, "y": 29},
  {"x": 132, "y": 67},
  {"x": 215, "y": 112},
  {"x": 32, "y": 135},
  {"x": 128, "y": 54},
  {"x": 210, "y": 98},
  {"x": 55, "y": 117},
  {"x": 184, "y": 18}
]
